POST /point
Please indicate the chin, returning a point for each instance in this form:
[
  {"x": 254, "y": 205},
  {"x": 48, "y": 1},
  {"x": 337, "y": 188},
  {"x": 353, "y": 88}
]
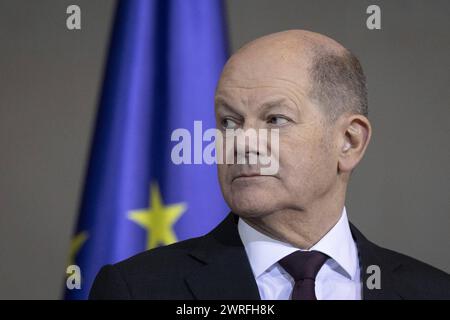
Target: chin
[{"x": 253, "y": 202}]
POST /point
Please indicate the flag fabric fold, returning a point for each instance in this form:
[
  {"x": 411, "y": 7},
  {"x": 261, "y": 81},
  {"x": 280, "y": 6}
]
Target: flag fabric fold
[{"x": 164, "y": 60}]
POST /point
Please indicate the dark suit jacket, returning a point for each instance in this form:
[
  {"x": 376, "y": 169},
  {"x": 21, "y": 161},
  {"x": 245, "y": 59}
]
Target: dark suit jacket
[{"x": 215, "y": 266}]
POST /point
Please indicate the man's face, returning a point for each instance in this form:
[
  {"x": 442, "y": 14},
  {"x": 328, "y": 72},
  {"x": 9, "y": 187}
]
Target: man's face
[{"x": 260, "y": 94}]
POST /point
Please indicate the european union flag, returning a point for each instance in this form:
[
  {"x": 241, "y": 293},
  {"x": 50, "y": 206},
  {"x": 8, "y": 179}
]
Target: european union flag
[{"x": 164, "y": 61}]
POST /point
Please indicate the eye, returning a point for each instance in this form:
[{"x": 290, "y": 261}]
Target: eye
[
  {"x": 277, "y": 120},
  {"x": 228, "y": 123}
]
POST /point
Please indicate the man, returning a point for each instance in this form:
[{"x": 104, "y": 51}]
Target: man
[{"x": 288, "y": 236}]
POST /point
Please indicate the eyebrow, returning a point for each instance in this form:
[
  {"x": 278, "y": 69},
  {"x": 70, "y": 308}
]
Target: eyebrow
[
  {"x": 283, "y": 102},
  {"x": 222, "y": 103}
]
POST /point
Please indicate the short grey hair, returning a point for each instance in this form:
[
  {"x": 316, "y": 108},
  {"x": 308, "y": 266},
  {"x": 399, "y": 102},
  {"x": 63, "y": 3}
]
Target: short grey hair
[{"x": 338, "y": 83}]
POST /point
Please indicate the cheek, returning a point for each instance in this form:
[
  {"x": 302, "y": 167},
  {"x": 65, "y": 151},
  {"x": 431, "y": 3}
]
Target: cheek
[
  {"x": 222, "y": 173},
  {"x": 305, "y": 164}
]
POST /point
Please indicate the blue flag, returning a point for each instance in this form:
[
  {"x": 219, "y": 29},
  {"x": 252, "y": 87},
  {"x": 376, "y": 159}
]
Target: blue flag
[{"x": 164, "y": 61}]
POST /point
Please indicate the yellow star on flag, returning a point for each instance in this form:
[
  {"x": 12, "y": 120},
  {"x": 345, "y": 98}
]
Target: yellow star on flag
[
  {"x": 158, "y": 220},
  {"x": 75, "y": 246}
]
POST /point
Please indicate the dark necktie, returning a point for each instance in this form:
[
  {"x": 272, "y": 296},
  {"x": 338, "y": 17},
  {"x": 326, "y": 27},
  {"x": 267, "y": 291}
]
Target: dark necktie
[{"x": 303, "y": 266}]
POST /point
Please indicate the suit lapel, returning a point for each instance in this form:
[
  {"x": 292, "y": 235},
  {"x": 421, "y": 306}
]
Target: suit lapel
[
  {"x": 372, "y": 255},
  {"x": 226, "y": 272}
]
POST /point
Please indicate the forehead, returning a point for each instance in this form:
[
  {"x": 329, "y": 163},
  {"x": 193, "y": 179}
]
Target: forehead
[
  {"x": 259, "y": 92},
  {"x": 265, "y": 65},
  {"x": 255, "y": 73}
]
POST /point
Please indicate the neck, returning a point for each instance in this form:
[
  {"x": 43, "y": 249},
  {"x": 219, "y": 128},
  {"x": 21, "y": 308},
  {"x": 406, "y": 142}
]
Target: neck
[{"x": 301, "y": 228}]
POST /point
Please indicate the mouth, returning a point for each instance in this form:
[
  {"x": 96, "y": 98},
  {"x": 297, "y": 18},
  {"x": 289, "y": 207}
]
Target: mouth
[{"x": 249, "y": 177}]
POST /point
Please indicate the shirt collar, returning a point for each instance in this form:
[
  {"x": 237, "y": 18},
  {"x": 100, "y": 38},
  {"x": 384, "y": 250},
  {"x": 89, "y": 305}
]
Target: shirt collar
[{"x": 264, "y": 251}]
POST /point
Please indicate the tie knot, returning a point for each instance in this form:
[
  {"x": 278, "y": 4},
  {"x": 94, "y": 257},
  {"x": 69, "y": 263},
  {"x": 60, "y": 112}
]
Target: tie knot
[{"x": 303, "y": 264}]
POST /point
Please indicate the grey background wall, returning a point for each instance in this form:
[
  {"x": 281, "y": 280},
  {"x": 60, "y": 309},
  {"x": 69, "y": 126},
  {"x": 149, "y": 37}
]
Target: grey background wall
[{"x": 49, "y": 86}]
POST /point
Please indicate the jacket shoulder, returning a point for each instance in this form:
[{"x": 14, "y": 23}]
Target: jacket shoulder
[
  {"x": 416, "y": 279},
  {"x": 161, "y": 260},
  {"x": 153, "y": 274}
]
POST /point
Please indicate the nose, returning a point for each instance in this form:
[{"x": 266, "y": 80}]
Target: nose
[{"x": 248, "y": 146}]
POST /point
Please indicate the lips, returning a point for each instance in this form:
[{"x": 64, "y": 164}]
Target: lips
[
  {"x": 252, "y": 174},
  {"x": 247, "y": 176}
]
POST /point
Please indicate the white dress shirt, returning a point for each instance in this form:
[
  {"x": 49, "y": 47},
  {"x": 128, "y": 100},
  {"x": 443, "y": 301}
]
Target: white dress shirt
[{"x": 338, "y": 278}]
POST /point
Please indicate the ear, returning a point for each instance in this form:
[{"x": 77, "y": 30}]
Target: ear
[{"x": 355, "y": 136}]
